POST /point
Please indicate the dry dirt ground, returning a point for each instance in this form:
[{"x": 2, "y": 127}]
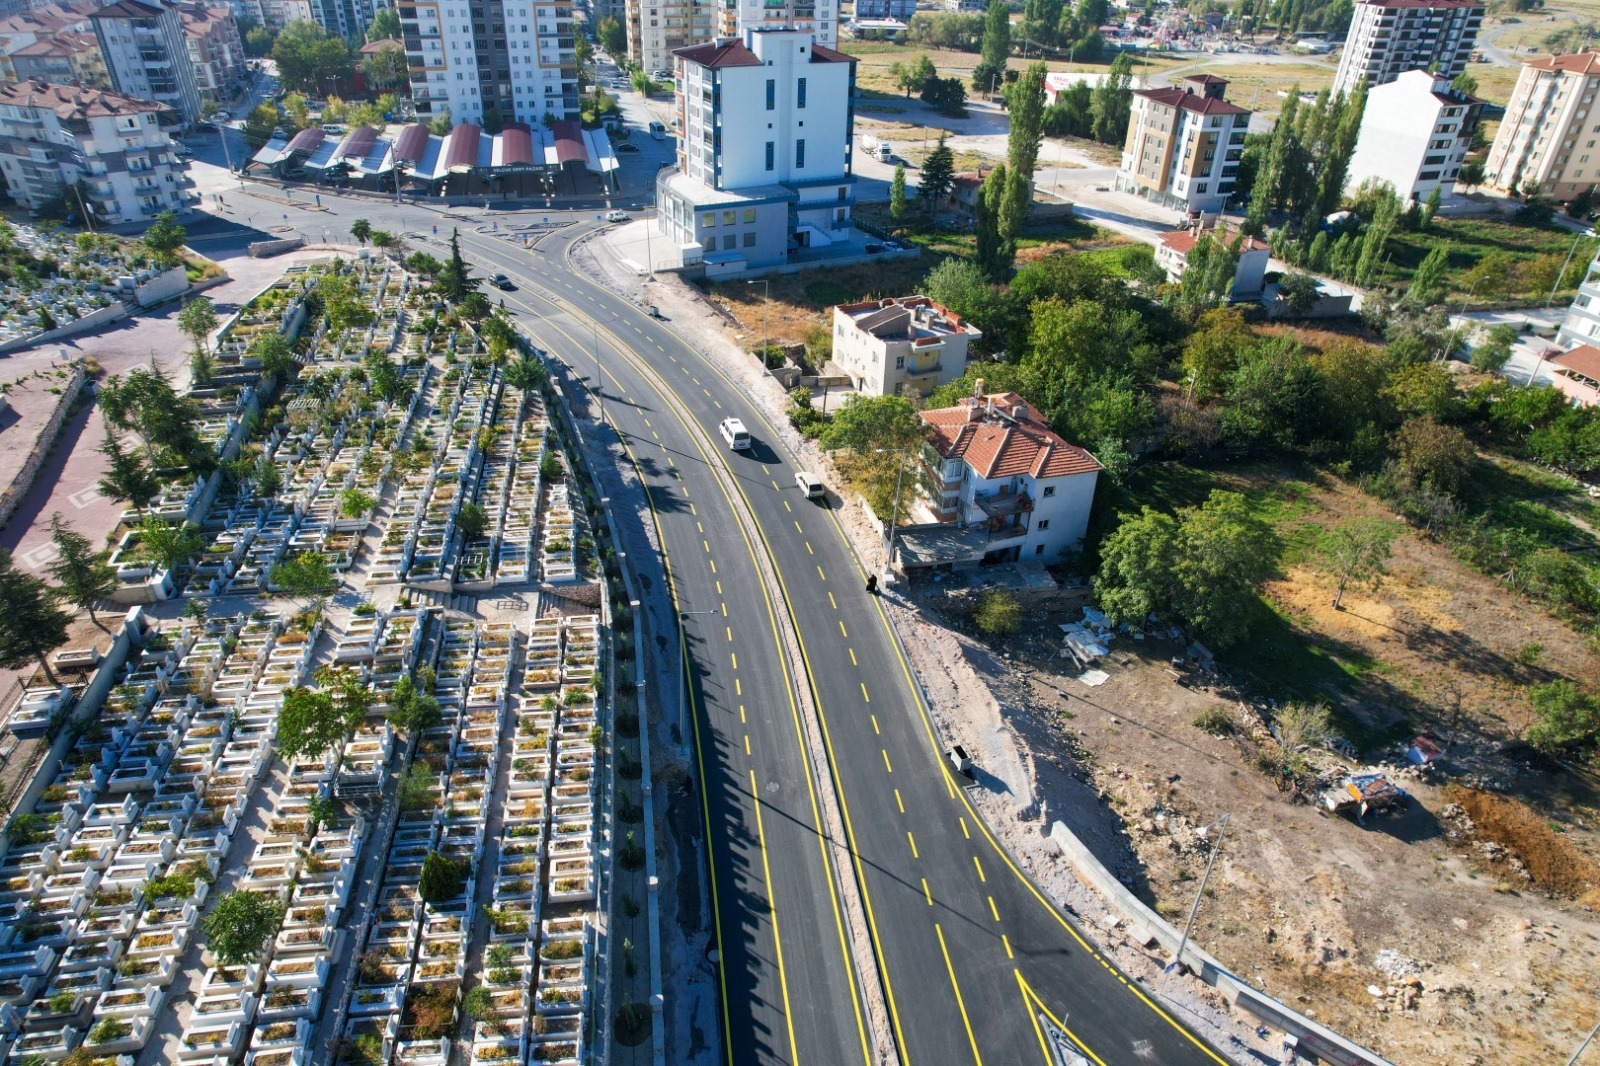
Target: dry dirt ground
[{"x": 1460, "y": 931}]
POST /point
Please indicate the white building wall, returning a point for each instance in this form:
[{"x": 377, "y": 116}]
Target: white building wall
[
  {"x": 1410, "y": 138},
  {"x": 820, "y": 18},
  {"x": 1063, "y": 515}
]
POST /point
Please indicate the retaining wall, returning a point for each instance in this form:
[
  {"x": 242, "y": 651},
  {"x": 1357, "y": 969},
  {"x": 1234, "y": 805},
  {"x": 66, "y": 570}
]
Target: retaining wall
[{"x": 13, "y": 493}]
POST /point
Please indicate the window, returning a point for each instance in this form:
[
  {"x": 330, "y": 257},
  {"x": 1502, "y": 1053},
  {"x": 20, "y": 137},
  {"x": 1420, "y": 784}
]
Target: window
[
  {"x": 800, "y": 154},
  {"x": 1038, "y": 549},
  {"x": 750, "y": 240},
  {"x": 800, "y": 94},
  {"x": 772, "y": 94},
  {"x": 1200, "y": 187},
  {"x": 727, "y": 218},
  {"x": 771, "y": 155},
  {"x": 899, "y": 362},
  {"x": 1042, "y": 526},
  {"x": 843, "y": 192},
  {"x": 749, "y": 214},
  {"x": 708, "y": 220},
  {"x": 729, "y": 242},
  {"x": 1049, "y": 491}
]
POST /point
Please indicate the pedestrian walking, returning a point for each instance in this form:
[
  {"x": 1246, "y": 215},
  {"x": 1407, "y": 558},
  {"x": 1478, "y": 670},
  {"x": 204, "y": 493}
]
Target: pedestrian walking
[{"x": 872, "y": 583}]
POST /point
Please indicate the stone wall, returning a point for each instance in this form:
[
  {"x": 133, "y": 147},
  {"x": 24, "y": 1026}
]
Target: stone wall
[{"x": 12, "y": 494}]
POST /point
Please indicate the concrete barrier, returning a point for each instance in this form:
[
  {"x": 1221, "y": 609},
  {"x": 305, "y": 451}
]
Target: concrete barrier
[
  {"x": 11, "y": 496},
  {"x": 1148, "y": 927}
]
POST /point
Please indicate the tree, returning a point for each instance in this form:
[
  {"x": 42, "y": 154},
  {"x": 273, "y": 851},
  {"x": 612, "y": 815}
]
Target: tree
[
  {"x": 612, "y": 37},
  {"x": 306, "y": 576},
  {"x": 146, "y": 403},
  {"x": 1430, "y": 207},
  {"x": 527, "y": 375},
  {"x": 1432, "y": 456},
  {"x": 990, "y": 248},
  {"x": 275, "y": 354},
  {"x": 1564, "y": 716},
  {"x": 1424, "y": 389},
  {"x": 881, "y": 433},
  {"x": 471, "y": 522},
  {"x": 383, "y": 239},
  {"x": 257, "y": 42},
  {"x": 995, "y": 47},
  {"x": 1429, "y": 283},
  {"x": 83, "y": 574},
  {"x": 313, "y": 721},
  {"x": 1025, "y": 99},
  {"x": 308, "y": 58},
  {"x": 31, "y": 623},
  {"x": 258, "y": 126},
  {"x": 353, "y": 503},
  {"x": 385, "y": 26},
  {"x": 1471, "y": 174},
  {"x": 1213, "y": 350},
  {"x": 298, "y": 108},
  {"x": 455, "y": 280},
  {"x": 1200, "y": 566},
  {"x": 164, "y": 237},
  {"x": 127, "y": 477},
  {"x": 938, "y": 173},
  {"x": 361, "y": 230},
  {"x": 1111, "y": 102},
  {"x": 897, "y": 194},
  {"x": 440, "y": 124},
  {"x": 947, "y": 96},
  {"x": 197, "y": 320},
  {"x": 1299, "y": 292},
  {"x": 960, "y": 285},
  {"x": 386, "y": 67},
  {"x": 1356, "y": 549},
  {"x": 239, "y": 926},
  {"x": 442, "y": 878},
  {"x": 1494, "y": 351},
  {"x": 169, "y": 544},
  {"x": 999, "y": 614},
  {"x": 411, "y": 711}
]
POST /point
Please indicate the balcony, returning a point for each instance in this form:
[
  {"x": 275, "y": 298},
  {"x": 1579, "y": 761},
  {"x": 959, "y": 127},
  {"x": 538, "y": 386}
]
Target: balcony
[{"x": 1004, "y": 504}]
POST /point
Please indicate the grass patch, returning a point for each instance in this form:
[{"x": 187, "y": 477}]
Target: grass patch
[
  {"x": 827, "y": 293},
  {"x": 1471, "y": 240}
]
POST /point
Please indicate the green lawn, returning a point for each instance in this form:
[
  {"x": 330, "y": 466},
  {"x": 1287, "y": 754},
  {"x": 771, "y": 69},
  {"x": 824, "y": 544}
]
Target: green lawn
[{"x": 1535, "y": 253}]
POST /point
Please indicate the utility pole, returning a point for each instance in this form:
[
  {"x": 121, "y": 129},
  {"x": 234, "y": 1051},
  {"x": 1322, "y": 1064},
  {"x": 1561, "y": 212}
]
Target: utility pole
[
  {"x": 1188, "y": 926},
  {"x": 1565, "y": 263},
  {"x": 1583, "y": 1046}
]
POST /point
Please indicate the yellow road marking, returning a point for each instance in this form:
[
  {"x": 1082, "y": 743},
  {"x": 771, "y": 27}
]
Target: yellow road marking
[
  {"x": 864, "y": 695},
  {"x": 1030, "y": 1000},
  {"x": 699, "y": 528},
  {"x": 964, "y": 832},
  {"x": 808, "y": 548},
  {"x": 886, "y": 765},
  {"x": 979, "y": 867},
  {"x": 719, "y": 406},
  {"x": 786, "y": 507},
  {"x": 913, "y": 841},
  {"x": 875, "y": 728},
  {"x": 735, "y": 657},
  {"x": 898, "y": 802},
  {"x": 960, "y": 1003},
  {"x": 706, "y": 544},
  {"x": 926, "y": 894},
  {"x": 724, "y": 610},
  {"x": 853, "y": 657},
  {"x": 797, "y": 528},
  {"x": 842, "y": 631},
  {"x": 775, "y": 487},
  {"x": 1011, "y": 954},
  {"x": 772, "y": 909},
  {"x": 821, "y": 575},
  {"x": 741, "y": 714},
  {"x": 831, "y": 602},
  {"x": 738, "y": 689},
  {"x": 992, "y": 909},
  {"x": 671, "y": 463},
  {"x": 692, "y": 510},
  {"x": 747, "y": 743},
  {"x": 719, "y": 588},
  {"x": 713, "y": 565},
  {"x": 729, "y": 630}
]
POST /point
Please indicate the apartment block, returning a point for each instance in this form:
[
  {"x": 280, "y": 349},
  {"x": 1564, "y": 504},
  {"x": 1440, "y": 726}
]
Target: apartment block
[
  {"x": 1582, "y": 324},
  {"x": 1415, "y": 134},
  {"x": 276, "y": 14},
  {"x": 658, "y": 28},
  {"x": 965, "y": 7},
  {"x": 216, "y": 52},
  {"x": 54, "y": 136},
  {"x": 65, "y": 59},
  {"x": 820, "y": 18},
  {"x": 491, "y": 63},
  {"x": 1184, "y": 145},
  {"x": 146, "y": 55},
  {"x": 897, "y": 10},
  {"x": 764, "y": 157},
  {"x": 31, "y": 26},
  {"x": 902, "y": 345},
  {"x": 1550, "y": 131},
  {"x": 344, "y": 18},
  {"x": 1389, "y": 37}
]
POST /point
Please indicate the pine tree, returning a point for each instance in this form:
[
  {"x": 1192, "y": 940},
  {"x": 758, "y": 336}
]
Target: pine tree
[
  {"x": 455, "y": 280},
  {"x": 1026, "y": 100},
  {"x": 989, "y": 251},
  {"x": 127, "y": 478},
  {"x": 1112, "y": 101},
  {"x": 938, "y": 173},
  {"x": 1428, "y": 283},
  {"x": 1430, "y": 208},
  {"x": 897, "y": 194},
  {"x": 1317, "y": 259},
  {"x": 31, "y": 623},
  {"x": 84, "y": 575}
]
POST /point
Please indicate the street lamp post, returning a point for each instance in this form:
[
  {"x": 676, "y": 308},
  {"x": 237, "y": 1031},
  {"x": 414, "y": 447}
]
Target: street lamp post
[
  {"x": 1188, "y": 926},
  {"x": 683, "y": 677},
  {"x": 1563, "y": 272},
  {"x": 766, "y": 304},
  {"x": 894, "y": 512},
  {"x": 1584, "y": 1046}
]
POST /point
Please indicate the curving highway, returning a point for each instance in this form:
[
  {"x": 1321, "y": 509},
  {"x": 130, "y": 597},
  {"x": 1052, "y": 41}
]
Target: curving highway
[{"x": 975, "y": 964}]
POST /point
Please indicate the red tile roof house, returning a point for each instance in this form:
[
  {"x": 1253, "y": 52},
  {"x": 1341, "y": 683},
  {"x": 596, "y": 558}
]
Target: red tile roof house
[
  {"x": 1577, "y": 373},
  {"x": 999, "y": 467}
]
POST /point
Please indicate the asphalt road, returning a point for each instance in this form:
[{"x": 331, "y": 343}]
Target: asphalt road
[{"x": 974, "y": 959}]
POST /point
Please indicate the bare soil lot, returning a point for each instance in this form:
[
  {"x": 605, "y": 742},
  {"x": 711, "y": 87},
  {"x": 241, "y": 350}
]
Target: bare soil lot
[{"x": 1459, "y": 930}]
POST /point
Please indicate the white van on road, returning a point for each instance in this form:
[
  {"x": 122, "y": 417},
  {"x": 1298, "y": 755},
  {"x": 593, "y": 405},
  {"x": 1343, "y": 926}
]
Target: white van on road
[{"x": 733, "y": 431}]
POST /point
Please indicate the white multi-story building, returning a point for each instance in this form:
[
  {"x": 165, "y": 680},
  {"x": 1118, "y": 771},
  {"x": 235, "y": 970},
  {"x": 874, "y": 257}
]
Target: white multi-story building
[
  {"x": 1183, "y": 145},
  {"x": 344, "y": 18},
  {"x": 900, "y": 345},
  {"x": 276, "y": 14},
  {"x": 1582, "y": 324},
  {"x": 658, "y": 28},
  {"x": 492, "y": 63},
  {"x": 1389, "y": 37},
  {"x": 54, "y": 136},
  {"x": 995, "y": 467},
  {"x": 1415, "y": 134},
  {"x": 764, "y": 154},
  {"x": 146, "y": 55},
  {"x": 820, "y": 18},
  {"x": 1542, "y": 141},
  {"x": 216, "y": 54}
]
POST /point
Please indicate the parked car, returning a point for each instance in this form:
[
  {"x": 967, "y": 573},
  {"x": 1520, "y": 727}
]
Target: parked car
[
  {"x": 500, "y": 281},
  {"x": 221, "y": 116},
  {"x": 616, "y": 216},
  {"x": 626, "y": 147}
]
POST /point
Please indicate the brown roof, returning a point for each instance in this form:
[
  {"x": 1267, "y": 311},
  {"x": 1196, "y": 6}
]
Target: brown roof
[
  {"x": 820, "y": 54},
  {"x": 1584, "y": 359},
  {"x": 62, "y": 44},
  {"x": 1190, "y": 101},
  {"x": 72, "y": 102},
  {"x": 1207, "y": 79},
  {"x": 1183, "y": 241},
  {"x": 47, "y": 18},
  {"x": 1586, "y": 61},
  {"x": 200, "y": 17},
  {"x": 1005, "y": 444},
  {"x": 729, "y": 53},
  {"x": 130, "y": 9},
  {"x": 373, "y": 47}
]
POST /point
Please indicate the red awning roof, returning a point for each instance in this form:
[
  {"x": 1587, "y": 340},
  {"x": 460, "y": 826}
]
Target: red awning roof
[
  {"x": 307, "y": 140},
  {"x": 358, "y": 142},
  {"x": 411, "y": 143},
  {"x": 569, "y": 142},
  {"x": 462, "y": 151},
  {"x": 516, "y": 145}
]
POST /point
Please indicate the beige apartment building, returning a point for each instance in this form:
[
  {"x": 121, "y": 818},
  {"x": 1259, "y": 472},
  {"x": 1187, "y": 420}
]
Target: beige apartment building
[
  {"x": 1184, "y": 145},
  {"x": 1551, "y": 129},
  {"x": 657, "y": 28}
]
